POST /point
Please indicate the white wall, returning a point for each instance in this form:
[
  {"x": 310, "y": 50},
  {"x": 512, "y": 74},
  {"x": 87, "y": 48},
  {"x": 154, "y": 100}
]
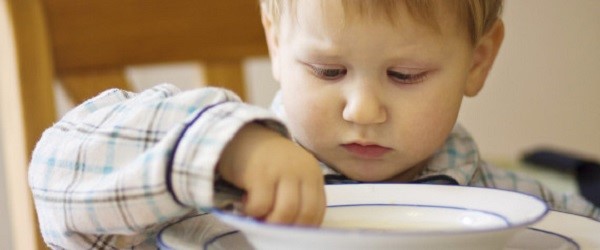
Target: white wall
[{"x": 544, "y": 88}]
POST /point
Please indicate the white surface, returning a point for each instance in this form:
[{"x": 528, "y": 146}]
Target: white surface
[
  {"x": 516, "y": 209},
  {"x": 555, "y": 231},
  {"x": 186, "y": 75},
  {"x": 583, "y": 231},
  {"x": 408, "y": 218},
  {"x": 539, "y": 239}
]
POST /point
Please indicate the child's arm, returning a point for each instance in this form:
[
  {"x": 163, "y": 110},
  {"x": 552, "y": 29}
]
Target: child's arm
[
  {"x": 121, "y": 166},
  {"x": 283, "y": 181}
]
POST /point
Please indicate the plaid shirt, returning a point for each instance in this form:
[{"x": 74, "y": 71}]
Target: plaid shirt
[{"x": 121, "y": 166}]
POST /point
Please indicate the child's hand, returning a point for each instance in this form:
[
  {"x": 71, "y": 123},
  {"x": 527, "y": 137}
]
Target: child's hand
[{"x": 283, "y": 182}]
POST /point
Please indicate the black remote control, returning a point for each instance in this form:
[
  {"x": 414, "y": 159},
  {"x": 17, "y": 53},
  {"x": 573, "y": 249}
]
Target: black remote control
[{"x": 587, "y": 171}]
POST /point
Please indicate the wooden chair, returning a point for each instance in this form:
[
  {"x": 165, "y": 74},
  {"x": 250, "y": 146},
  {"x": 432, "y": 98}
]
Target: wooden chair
[{"x": 87, "y": 45}]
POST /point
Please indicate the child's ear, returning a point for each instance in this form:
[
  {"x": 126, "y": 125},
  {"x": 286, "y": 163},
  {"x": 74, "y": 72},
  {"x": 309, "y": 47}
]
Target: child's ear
[
  {"x": 484, "y": 55},
  {"x": 271, "y": 36}
]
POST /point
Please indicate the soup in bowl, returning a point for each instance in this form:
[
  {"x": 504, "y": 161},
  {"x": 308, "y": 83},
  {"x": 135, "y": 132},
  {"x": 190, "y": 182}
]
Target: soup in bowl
[{"x": 402, "y": 216}]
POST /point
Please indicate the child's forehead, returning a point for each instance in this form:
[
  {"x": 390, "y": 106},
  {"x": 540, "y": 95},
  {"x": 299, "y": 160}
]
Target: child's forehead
[
  {"x": 429, "y": 13},
  {"x": 325, "y": 31}
]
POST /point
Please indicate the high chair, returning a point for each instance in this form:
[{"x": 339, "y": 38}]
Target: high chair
[{"x": 86, "y": 45}]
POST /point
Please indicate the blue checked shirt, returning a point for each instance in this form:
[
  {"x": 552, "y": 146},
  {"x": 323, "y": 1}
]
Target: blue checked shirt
[{"x": 121, "y": 166}]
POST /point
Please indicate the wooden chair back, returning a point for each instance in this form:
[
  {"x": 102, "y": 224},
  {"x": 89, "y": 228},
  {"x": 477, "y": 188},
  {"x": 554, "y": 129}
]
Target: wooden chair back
[{"x": 86, "y": 45}]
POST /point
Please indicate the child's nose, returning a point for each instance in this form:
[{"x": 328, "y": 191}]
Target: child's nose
[{"x": 364, "y": 106}]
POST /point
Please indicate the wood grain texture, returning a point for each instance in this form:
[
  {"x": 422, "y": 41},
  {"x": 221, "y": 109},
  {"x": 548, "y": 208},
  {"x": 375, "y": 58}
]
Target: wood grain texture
[
  {"x": 108, "y": 33},
  {"x": 83, "y": 85},
  {"x": 226, "y": 74},
  {"x": 87, "y": 45},
  {"x": 34, "y": 79}
]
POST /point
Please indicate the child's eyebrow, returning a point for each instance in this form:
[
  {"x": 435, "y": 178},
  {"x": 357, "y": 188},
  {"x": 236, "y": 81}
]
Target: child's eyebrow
[{"x": 320, "y": 51}]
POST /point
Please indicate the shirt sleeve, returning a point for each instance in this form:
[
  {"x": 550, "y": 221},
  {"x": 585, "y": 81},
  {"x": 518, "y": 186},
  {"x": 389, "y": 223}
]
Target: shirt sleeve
[
  {"x": 120, "y": 166},
  {"x": 490, "y": 176}
]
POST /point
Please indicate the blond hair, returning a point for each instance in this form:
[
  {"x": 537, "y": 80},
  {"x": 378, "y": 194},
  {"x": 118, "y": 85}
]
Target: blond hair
[{"x": 477, "y": 15}]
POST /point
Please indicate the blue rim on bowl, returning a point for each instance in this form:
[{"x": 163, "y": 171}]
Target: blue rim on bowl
[
  {"x": 511, "y": 210},
  {"x": 229, "y": 217}
]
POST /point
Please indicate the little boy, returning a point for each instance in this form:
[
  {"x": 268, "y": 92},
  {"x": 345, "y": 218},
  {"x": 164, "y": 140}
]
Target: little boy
[{"x": 370, "y": 92}]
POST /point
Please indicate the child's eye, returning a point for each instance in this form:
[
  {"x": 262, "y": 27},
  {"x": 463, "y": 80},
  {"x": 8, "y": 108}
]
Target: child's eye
[
  {"x": 404, "y": 78},
  {"x": 328, "y": 73}
]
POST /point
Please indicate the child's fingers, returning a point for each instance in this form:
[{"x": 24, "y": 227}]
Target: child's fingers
[
  {"x": 313, "y": 204},
  {"x": 287, "y": 202},
  {"x": 260, "y": 198}
]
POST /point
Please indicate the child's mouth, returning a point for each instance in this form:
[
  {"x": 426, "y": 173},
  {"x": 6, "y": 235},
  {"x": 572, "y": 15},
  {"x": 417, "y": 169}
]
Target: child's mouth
[{"x": 370, "y": 151}]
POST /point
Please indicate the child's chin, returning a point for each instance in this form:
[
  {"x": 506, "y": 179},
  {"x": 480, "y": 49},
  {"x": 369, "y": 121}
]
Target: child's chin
[
  {"x": 367, "y": 178},
  {"x": 405, "y": 176}
]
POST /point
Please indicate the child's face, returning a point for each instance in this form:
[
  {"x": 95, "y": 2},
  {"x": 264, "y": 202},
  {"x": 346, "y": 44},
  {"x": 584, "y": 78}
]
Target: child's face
[{"x": 371, "y": 98}]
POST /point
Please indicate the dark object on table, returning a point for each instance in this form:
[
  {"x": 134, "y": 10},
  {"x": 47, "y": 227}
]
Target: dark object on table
[
  {"x": 588, "y": 178},
  {"x": 587, "y": 171}
]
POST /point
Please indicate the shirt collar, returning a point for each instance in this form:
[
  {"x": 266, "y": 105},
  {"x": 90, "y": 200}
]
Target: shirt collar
[{"x": 458, "y": 158}]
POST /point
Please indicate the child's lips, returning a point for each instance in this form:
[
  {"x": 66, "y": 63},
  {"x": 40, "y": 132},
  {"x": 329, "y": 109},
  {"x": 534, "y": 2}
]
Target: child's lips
[{"x": 367, "y": 151}]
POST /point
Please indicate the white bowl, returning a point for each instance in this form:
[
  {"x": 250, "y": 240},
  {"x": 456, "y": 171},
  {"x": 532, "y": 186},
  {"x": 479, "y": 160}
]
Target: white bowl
[{"x": 403, "y": 216}]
